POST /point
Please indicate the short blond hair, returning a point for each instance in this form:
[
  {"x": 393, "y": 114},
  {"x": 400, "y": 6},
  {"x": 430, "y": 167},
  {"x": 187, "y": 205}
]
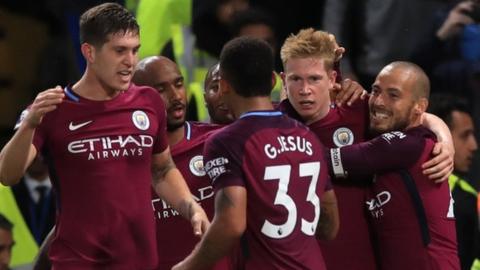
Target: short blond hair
[{"x": 310, "y": 43}]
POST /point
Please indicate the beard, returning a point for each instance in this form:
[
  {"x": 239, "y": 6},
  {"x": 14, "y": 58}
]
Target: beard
[
  {"x": 220, "y": 119},
  {"x": 174, "y": 125},
  {"x": 398, "y": 122}
]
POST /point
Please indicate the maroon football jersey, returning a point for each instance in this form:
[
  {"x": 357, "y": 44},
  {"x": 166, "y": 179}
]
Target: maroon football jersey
[
  {"x": 175, "y": 236},
  {"x": 412, "y": 216},
  {"x": 100, "y": 154},
  {"x": 281, "y": 165},
  {"x": 352, "y": 248}
]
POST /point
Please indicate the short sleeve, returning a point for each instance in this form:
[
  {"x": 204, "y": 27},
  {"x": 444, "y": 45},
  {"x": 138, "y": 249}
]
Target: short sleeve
[{"x": 221, "y": 166}]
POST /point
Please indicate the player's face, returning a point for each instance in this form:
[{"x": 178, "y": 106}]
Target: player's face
[
  {"x": 217, "y": 109},
  {"x": 6, "y": 244},
  {"x": 391, "y": 102},
  {"x": 114, "y": 62},
  {"x": 463, "y": 140},
  {"x": 165, "y": 77},
  {"x": 308, "y": 85}
]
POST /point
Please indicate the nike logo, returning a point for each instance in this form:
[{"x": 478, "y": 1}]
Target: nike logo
[{"x": 73, "y": 127}]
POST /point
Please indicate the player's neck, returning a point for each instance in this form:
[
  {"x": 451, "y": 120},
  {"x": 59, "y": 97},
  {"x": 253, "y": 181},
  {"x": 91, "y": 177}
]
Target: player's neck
[
  {"x": 90, "y": 87},
  {"x": 243, "y": 105},
  {"x": 175, "y": 136},
  {"x": 322, "y": 113}
]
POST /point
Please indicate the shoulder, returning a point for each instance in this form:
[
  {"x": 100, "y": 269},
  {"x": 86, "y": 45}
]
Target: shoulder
[
  {"x": 410, "y": 141},
  {"x": 136, "y": 90},
  {"x": 201, "y": 127},
  {"x": 200, "y": 131},
  {"x": 286, "y": 107},
  {"x": 415, "y": 137},
  {"x": 226, "y": 137},
  {"x": 422, "y": 132},
  {"x": 219, "y": 135},
  {"x": 141, "y": 88},
  {"x": 146, "y": 94}
]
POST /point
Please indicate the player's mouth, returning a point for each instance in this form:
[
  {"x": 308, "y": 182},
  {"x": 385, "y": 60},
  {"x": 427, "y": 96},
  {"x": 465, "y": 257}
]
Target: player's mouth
[
  {"x": 223, "y": 108},
  {"x": 306, "y": 104},
  {"x": 125, "y": 75},
  {"x": 177, "y": 110},
  {"x": 379, "y": 115}
]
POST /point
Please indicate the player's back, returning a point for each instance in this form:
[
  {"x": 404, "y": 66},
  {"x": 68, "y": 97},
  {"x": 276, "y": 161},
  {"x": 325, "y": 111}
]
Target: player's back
[{"x": 280, "y": 163}]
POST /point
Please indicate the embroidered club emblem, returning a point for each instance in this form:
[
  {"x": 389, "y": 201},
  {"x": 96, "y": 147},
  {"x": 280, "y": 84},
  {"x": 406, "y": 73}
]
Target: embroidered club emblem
[
  {"x": 196, "y": 166},
  {"x": 343, "y": 136},
  {"x": 140, "y": 120}
]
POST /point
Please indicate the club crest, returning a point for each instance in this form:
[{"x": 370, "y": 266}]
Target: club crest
[
  {"x": 343, "y": 136},
  {"x": 196, "y": 166},
  {"x": 140, "y": 120}
]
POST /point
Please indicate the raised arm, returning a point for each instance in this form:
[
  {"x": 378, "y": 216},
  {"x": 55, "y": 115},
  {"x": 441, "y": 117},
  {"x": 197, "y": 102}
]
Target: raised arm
[
  {"x": 441, "y": 165},
  {"x": 329, "y": 221},
  {"x": 19, "y": 152},
  {"x": 170, "y": 185},
  {"x": 227, "y": 227}
]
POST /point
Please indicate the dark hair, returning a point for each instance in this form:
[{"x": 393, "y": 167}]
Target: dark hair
[
  {"x": 250, "y": 17},
  {"x": 5, "y": 223},
  {"x": 108, "y": 18},
  {"x": 442, "y": 105},
  {"x": 247, "y": 64}
]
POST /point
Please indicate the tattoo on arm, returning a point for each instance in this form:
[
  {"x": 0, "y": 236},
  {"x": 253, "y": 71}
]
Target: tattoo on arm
[{"x": 159, "y": 171}]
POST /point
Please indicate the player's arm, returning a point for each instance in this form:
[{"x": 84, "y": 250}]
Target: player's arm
[
  {"x": 16, "y": 156},
  {"x": 382, "y": 154},
  {"x": 42, "y": 262},
  {"x": 170, "y": 185},
  {"x": 329, "y": 221},
  {"x": 19, "y": 152},
  {"x": 441, "y": 165},
  {"x": 227, "y": 227}
]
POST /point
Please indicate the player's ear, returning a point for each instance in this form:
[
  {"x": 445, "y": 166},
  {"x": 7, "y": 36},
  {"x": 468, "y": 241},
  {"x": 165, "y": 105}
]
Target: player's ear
[
  {"x": 332, "y": 76},
  {"x": 283, "y": 76},
  {"x": 421, "y": 106},
  {"x": 88, "y": 51}
]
